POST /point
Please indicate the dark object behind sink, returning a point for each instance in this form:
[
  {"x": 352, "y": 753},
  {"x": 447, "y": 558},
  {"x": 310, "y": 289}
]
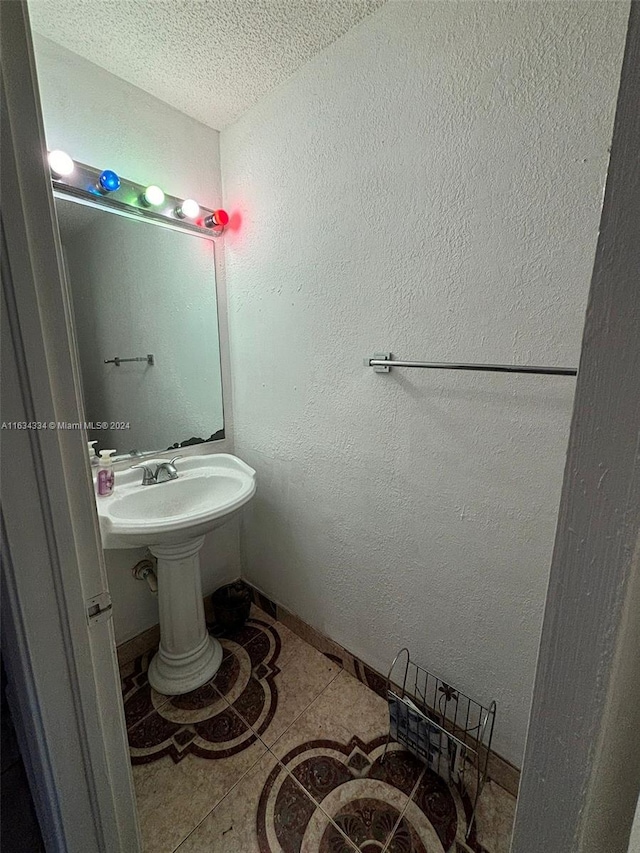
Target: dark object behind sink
[{"x": 231, "y": 605}]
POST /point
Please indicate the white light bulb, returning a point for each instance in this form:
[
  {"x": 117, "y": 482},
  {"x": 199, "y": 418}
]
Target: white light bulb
[
  {"x": 153, "y": 195},
  {"x": 60, "y": 163},
  {"x": 190, "y": 208}
]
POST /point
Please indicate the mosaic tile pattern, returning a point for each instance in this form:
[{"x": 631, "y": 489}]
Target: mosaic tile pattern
[
  {"x": 283, "y": 752},
  {"x": 202, "y": 722}
]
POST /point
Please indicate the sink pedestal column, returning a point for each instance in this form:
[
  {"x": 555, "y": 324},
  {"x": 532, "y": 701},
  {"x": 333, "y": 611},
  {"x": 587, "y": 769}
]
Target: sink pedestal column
[{"x": 188, "y": 656}]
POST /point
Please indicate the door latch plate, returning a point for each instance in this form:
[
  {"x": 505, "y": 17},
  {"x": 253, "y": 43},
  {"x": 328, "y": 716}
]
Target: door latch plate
[{"x": 99, "y": 608}]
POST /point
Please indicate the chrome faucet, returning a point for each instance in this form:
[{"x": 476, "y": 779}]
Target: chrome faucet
[
  {"x": 167, "y": 471},
  {"x": 162, "y": 473}
]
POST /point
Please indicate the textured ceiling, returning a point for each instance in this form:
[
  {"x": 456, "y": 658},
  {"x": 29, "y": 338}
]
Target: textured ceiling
[{"x": 211, "y": 59}]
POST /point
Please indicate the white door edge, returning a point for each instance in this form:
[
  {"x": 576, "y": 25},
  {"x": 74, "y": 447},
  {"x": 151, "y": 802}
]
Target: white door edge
[{"x": 61, "y": 668}]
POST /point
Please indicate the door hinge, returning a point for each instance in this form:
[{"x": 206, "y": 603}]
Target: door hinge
[{"x": 99, "y": 608}]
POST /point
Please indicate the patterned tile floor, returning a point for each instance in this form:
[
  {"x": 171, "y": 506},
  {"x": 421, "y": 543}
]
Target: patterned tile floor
[{"x": 281, "y": 753}]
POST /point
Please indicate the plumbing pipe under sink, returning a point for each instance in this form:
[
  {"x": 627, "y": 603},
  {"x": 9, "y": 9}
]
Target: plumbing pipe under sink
[{"x": 145, "y": 570}]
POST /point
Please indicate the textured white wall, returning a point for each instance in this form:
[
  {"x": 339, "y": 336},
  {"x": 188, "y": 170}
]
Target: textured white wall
[
  {"x": 101, "y": 120},
  {"x": 431, "y": 185}
]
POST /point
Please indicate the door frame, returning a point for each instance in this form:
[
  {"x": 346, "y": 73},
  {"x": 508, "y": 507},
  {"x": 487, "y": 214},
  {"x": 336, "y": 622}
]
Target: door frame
[
  {"x": 62, "y": 673},
  {"x": 581, "y": 773}
]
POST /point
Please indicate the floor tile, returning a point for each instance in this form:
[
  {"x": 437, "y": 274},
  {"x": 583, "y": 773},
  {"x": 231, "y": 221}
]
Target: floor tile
[
  {"x": 201, "y": 722},
  {"x": 415, "y": 834},
  {"x": 273, "y": 679},
  {"x": 266, "y": 811},
  {"x": 258, "y": 612},
  {"x": 438, "y": 811},
  {"x": 138, "y": 697},
  {"x": 173, "y": 797},
  {"x": 335, "y": 750},
  {"x": 187, "y": 751},
  {"x": 269, "y": 681},
  {"x": 345, "y": 703},
  {"x": 206, "y": 781},
  {"x": 494, "y": 821},
  {"x": 435, "y": 814}
]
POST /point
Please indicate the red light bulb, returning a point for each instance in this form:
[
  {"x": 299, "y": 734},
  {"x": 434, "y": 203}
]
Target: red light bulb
[{"x": 218, "y": 219}]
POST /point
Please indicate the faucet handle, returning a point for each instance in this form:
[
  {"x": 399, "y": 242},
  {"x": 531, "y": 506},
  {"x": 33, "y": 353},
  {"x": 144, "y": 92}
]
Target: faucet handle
[
  {"x": 148, "y": 477},
  {"x": 166, "y": 470}
]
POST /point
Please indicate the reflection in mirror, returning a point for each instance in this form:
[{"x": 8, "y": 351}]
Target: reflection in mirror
[{"x": 139, "y": 289}]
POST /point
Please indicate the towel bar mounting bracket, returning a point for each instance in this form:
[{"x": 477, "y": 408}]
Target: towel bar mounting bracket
[{"x": 378, "y": 356}]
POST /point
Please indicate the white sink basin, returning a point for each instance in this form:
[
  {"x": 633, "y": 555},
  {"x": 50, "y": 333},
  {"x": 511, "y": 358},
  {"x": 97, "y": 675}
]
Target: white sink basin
[
  {"x": 171, "y": 519},
  {"x": 208, "y": 490}
]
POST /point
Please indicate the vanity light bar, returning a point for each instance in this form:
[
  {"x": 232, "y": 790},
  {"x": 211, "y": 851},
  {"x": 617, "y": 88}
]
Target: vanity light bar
[{"x": 81, "y": 181}]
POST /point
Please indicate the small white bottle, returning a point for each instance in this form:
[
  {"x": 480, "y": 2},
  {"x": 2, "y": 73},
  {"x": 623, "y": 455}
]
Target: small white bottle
[
  {"x": 106, "y": 477},
  {"x": 93, "y": 456}
]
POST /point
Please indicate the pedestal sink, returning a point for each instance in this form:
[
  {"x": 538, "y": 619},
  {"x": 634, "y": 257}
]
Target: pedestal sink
[{"x": 171, "y": 518}]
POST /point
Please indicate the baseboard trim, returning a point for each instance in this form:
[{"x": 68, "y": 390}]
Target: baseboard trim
[
  {"x": 131, "y": 649},
  {"x": 501, "y": 771}
]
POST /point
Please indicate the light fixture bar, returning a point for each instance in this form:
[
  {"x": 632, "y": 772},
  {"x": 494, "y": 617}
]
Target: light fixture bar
[{"x": 84, "y": 181}]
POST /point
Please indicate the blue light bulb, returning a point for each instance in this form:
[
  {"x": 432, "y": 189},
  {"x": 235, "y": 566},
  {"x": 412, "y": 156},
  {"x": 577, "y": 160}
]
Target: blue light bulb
[{"x": 109, "y": 181}]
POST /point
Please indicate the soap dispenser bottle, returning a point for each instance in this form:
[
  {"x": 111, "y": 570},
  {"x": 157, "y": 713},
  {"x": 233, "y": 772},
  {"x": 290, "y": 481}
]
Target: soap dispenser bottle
[
  {"x": 105, "y": 474},
  {"x": 93, "y": 456}
]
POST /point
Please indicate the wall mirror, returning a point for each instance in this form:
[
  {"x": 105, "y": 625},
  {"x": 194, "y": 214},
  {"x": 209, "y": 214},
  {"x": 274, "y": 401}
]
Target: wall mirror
[{"x": 143, "y": 298}]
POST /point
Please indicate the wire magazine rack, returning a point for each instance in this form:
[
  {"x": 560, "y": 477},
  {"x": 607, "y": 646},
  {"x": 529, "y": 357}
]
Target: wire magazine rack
[{"x": 440, "y": 725}]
